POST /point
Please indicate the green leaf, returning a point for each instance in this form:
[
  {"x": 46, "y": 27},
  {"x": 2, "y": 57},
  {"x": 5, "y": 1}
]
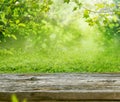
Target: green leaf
[
  {"x": 86, "y": 14},
  {"x": 100, "y": 5},
  {"x": 80, "y": 5},
  {"x": 115, "y": 18},
  {"x": 1, "y": 27},
  {"x": 14, "y": 37},
  {"x": 14, "y": 98},
  {"x": 4, "y": 20},
  {"x": 21, "y": 25},
  {"x": 111, "y": 25},
  {"x": 75, "y": 8},
  {"x": 90, "y": 22},
  {"x": 17, "y": 21},
  {"x": 66, "y": 1}
]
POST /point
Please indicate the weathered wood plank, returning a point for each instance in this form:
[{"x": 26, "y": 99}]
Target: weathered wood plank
[{"x": 61, "y": 87}]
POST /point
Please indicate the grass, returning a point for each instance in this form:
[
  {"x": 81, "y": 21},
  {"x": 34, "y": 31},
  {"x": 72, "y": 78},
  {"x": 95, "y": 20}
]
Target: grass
[{"x": 59, "y": 61}]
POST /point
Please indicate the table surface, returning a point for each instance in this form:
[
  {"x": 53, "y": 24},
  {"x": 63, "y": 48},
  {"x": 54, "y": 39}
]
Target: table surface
[{"x": 61, "y": 86}]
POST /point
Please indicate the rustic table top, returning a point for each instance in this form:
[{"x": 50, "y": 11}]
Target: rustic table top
[{"x": 65, "y": 86}]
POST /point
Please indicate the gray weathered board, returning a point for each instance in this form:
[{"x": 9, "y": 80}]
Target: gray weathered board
[{"x": 60, "y": 87}]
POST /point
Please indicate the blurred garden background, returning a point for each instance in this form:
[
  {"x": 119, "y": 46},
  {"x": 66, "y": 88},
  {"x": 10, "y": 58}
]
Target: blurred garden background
[{"x": 52, "y": 36}]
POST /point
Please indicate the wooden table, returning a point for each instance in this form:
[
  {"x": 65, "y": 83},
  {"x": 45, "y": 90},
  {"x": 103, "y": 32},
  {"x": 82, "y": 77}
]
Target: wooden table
[{"x": 65, "y": 87}]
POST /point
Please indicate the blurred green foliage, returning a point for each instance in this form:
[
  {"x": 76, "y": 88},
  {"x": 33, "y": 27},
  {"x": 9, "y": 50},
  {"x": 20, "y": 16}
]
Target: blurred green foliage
[
  {"x": 106, "y": 15},
  {"x": 15, "y": 99},
  {"x": 19, "y": 17},
  {"x": 59, "y": 36},
  {"x": 22, "y": 19}
]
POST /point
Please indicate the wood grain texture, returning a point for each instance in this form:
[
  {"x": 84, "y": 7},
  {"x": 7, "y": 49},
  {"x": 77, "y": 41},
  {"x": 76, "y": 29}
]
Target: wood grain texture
[{"x": 61, "y": 87}]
